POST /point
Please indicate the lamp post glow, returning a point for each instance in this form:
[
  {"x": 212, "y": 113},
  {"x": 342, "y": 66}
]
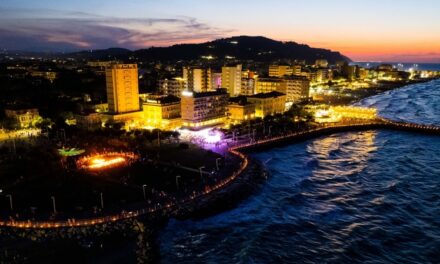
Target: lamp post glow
[
  {"x": 54, "y": 204},
  {"x": 216, "y": 163},
  {"x": 143, "y": 191},
  {"x": 177, "y": 181},
  {"x": 10, "y": 201},
  {"x": 102, "y": 201},
  {"x": 200, "y": 170}
]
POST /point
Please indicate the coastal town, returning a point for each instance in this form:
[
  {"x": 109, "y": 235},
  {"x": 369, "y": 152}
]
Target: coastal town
[{"x": 86, "y": 143}]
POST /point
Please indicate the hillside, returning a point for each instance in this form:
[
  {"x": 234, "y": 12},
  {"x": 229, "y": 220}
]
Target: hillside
[{"x": 241, "y": 48}]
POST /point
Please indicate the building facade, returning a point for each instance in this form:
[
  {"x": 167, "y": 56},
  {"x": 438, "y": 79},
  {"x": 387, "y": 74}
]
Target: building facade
[
  {"x": 24, "y": 117},
  {"x": 247, "y": 86},
  {"x": 122, "y": 88},
  {"x": 197, "y": 79},
  {"x": 173, "y": 86},
  {"x": 296, "y": 88},
  {"x": 241, "y": 111},
  {"x": 162, "y": 112},
  {"x": 268, "y": 103},
  {"x": 231, "y": 79},
  {"x": 267, "y": 85},
  {"x": 204, "y": 109},
  {"x": 284, "y": 70}
]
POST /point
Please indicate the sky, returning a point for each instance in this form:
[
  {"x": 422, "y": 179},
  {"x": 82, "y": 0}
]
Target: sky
[{"x": 364, "y": 30}]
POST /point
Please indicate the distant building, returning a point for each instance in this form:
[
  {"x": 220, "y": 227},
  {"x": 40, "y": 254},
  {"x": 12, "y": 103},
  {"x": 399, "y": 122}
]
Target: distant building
[
  {"x": 321, "y": 63},
  {"x": 162, "y": 112},
  {"x": 122, "y": 88},
  {"x": 204, "y": 109},
  {"x": 49, "y": 75},
  {"x": 247, "y": 86},
  {"x": 24, "y": 117},
  {"x": 173, "y": 86},
  {"x": 266, "y": 85},
  {"x": 284, "y": 70},
  {"x": 296, "y": 88},
  {"x": 280, "y": 70},
  {"x": 241, "y": 110},
  {"x": 385, "y": 67},
  {"x": 268, "y": 103},
  {"x": 100, "y": 64},
  {"x": 231, "y": 79},
  {"x": 324, "y": 75},
  {"x": 216, "y": 80},
  {"x": 350, "y": 71},
  {"x": 197, "y": 79}
]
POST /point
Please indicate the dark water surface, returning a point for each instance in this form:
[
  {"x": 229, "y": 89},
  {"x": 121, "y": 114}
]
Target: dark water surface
[{"x": 370, "y": 197}]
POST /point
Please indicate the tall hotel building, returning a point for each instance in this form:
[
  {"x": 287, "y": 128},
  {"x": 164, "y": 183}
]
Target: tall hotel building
[
  {"x": 231, "y": 79},
  {"x": 122, "y": 88},
  {"x": 204, "y": 109},
  {"x": 197, "y": 79}
]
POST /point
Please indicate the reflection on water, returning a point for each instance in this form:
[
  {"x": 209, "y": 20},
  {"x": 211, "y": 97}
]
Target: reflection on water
[{"x": 369, "y": 196}]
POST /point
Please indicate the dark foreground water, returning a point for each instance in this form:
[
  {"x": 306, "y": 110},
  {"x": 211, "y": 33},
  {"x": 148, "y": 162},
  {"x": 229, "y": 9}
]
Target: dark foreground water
[{"x": 371, "y": 197}]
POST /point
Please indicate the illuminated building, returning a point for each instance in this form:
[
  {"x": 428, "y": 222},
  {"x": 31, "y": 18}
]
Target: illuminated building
[
  {"x": 247, "y": 86},
  {"x": 296, "y": 88},
  {"x": 49, "y": 75},
  {"x": 350, "y": 71},
  {"x": 266, "y": 85},
  {"x": 24, "y": 117},
  {"x": 283, "y": 70},
  {"x": 240, "y": 109},
  {"x": 363, "y": 73},
  {"x": 280, "y": 70},
  {"x": 268, "y": 103},
  {"x": 122, "y": 88},
  {"x": 100, "y": 64},
  {"x": 385, "y": 67},
  {"x": 173, "y": 86},
  {"x": 231, "y": 79},
  {"x": 197, "y": 79},
  {"x": 321, "y": 63},
  {"x": 324, "y": 75},
  {"x": 216, "y": 80},
  {"x": 204, "y": 109},
  {"x": 162, "y": 112}
]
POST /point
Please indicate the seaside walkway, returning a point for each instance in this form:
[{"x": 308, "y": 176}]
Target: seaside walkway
[{"x": 237, "y": 150}]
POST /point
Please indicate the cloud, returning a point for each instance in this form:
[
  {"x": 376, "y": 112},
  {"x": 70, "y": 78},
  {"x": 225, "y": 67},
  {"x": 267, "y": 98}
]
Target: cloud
[{"x": 22, "y": 29}]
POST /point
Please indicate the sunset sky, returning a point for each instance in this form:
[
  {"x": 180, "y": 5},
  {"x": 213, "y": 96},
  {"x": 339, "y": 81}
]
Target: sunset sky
[{"x": 373, "y": 30}]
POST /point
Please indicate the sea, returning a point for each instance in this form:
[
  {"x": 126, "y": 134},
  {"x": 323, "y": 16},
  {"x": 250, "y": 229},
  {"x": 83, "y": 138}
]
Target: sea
[{"x": 352, "y": 197}]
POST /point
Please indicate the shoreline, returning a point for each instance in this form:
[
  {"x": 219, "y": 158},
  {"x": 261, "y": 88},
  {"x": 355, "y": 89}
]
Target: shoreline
[{"x": 372, "y": 91}]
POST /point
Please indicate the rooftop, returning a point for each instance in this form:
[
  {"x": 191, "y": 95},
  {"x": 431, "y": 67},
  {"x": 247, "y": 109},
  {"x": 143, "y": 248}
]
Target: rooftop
[{"x": 267, "y": 95}]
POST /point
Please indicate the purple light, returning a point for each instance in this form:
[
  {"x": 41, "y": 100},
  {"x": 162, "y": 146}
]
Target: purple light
[{"x": 211, "y": 136}]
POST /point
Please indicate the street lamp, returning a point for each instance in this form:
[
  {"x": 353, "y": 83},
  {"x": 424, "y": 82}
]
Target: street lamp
[
  {"x": 102, "y": 200},
  {"x": 216, "y": 162},
  {"x": 10, "y": 201},
  {"x": 177, "y": 181},
  {"x": 54, "y": 205},
  {"x": 200, "y": 170},
  {"x": 143, "y": 190}
]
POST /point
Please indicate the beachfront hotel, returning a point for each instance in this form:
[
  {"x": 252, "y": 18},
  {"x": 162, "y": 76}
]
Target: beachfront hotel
[{"x": 204, "y": 109}]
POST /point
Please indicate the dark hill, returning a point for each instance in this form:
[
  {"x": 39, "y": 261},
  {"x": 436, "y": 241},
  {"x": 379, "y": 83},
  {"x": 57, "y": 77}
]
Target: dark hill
[{"x": 241, "y": 48}]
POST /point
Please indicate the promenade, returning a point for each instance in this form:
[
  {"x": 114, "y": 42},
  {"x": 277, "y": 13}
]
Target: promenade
[{"x": 238, "y": 150}]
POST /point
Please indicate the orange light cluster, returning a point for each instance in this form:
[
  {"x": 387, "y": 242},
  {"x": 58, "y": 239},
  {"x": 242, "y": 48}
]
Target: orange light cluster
[{"x": 106, "y": 160}]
